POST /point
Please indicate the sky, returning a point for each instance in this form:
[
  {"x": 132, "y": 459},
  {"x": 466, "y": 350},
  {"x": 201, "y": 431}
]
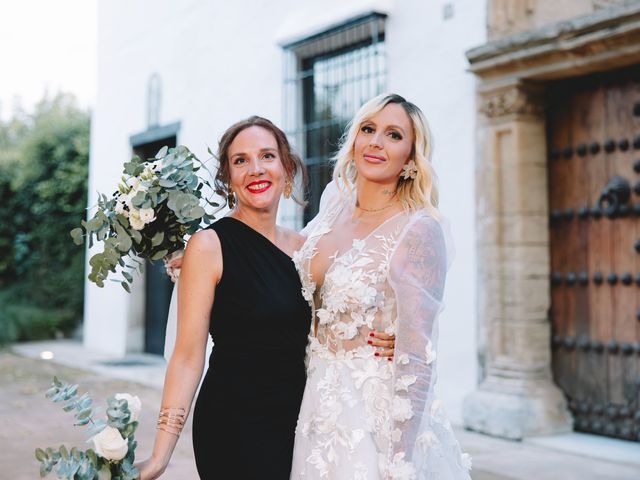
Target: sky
[{"x": 47, "y": 45}]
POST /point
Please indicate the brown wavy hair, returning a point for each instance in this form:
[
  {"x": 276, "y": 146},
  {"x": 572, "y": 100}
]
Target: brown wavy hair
[{"x": 291, "y": 162}]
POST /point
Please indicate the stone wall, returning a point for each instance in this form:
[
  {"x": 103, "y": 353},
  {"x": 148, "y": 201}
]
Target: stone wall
[{"x": 506, "y": 17}]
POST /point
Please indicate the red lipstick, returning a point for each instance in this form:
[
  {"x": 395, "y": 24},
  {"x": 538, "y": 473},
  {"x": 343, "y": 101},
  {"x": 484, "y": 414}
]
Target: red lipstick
[{"x": 259, "y": 186}]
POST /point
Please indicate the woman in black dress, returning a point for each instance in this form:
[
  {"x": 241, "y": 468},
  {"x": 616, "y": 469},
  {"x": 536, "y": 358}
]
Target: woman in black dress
[
  {"x": 239, "y": 284},
  {"x": 246, "y": 411}
]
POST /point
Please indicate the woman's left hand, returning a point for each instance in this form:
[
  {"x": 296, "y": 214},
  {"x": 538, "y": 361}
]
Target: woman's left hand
[{"x": 386, "y": 342}]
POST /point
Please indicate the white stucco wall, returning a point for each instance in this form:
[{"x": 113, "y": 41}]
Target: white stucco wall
[
  {"x": 220, "y": 62},
  {"x": 427, "y": 65}
]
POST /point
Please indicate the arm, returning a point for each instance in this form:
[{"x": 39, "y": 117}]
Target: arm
[
  {"x": 201, "y": 271},
  {"x": 417, "y": 276}
]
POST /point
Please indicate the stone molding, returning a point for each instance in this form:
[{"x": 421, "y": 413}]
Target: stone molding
[
  {"x": 514, "y": 99},
  {"x": 598, "y": 41}
]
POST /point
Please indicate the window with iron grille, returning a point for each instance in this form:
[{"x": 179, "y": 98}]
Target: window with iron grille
[{"x": 327, "y": 78}]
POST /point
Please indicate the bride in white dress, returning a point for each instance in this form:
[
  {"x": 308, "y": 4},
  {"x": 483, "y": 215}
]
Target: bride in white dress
[{"x": 375, "y": 258}]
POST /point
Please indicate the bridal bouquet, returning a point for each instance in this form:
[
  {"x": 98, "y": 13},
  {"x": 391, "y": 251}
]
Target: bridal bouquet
[
  {"x": 114, "y": 444},
  {"x": 157, "y": 204}
]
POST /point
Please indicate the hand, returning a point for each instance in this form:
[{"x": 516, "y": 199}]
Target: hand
[
  {"x": 173, "y": 264},
  {"x": 149, "y": 469},
  {"x": 385, "y": 341}
]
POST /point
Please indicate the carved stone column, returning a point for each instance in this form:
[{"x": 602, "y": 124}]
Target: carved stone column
[{"x": 517, "y": 397}]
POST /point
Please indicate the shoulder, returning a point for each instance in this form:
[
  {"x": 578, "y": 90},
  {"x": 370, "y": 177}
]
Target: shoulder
[
  {"x": 204, "y": 240},
  {"x": 203, "y": 255},
  {"x": 423, "y": 228},
  {"x": 293, "y": 238}
]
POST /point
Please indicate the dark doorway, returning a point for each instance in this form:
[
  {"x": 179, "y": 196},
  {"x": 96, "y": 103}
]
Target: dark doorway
[{"x": 158, "y": 287}]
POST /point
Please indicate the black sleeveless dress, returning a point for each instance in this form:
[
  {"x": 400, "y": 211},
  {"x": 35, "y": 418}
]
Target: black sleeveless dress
[{"x": 245, "y": 415}]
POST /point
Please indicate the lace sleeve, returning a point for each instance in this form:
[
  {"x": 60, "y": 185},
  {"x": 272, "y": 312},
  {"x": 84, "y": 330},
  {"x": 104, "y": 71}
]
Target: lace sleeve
[
  {"x": 417, "y": 276},
  {"x": 330, "y": 195}
]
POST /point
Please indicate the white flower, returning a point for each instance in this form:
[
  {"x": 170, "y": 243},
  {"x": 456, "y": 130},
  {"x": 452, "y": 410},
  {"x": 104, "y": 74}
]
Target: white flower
[
  {"x": 358, "y": 244},
  {"x": 345, "y": 330},
  {"x": 396, "y": 435},
  {"x": 426, "y": 440},
  {"x": 401, "y": 409},
  {"x": 430, "y": 353},
  {"x": 316, "y": 460},
  {"x": 324, "y": 316},
  {"x": 403, "y": 359},
  {"x": 147, "y": 215},
  {"x": 399, "y": 469},
  {"x": 403, "y": 383},
  {"x": 465, "y": 459},
  {"x": 136, "y": 185},
  {"x": 368, "y": 370},
  {"x": 148, "y": 173},
  {"x": 120, "y": 204},
  {"x": 133, "y": 403},
  {"x": 109, "y": 444},
  {"x": 134, "y": 219}
]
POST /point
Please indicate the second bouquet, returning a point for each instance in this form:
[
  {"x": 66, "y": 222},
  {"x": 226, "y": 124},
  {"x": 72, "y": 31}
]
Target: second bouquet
[{"x": 159, "y": 202}]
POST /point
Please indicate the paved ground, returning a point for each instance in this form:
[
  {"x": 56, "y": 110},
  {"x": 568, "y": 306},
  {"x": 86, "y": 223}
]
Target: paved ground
[{"x": 28, "y": 420}]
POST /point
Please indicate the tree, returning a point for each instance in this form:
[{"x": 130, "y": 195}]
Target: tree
[{"x": 43, "y": 194}]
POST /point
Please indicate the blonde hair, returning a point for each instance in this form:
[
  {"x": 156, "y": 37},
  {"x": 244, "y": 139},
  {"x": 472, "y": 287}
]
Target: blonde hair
[{"x": 420, "y": 192}]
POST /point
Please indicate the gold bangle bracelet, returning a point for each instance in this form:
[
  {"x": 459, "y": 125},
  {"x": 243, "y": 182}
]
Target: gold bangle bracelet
[{"x": 169, "y": 430}]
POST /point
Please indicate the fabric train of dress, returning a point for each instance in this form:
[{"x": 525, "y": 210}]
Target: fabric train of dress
[
  {"x": 245, "y": 415},
  {"x": 363, "y": 417}
]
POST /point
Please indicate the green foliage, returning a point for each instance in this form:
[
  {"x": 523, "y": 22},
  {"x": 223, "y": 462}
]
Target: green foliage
[
  {"x": 168, "y": 190},
  {"x": 43, "y": 183},
  {"x": 75, "y": 464}
]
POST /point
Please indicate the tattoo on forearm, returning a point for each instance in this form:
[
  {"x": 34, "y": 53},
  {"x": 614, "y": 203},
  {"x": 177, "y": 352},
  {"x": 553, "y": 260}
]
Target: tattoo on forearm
[{"x": 425, "y": 257}]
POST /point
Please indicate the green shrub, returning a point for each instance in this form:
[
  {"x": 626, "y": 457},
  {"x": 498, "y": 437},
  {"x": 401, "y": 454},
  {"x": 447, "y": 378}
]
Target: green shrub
[{"x": 43, "y": 193}]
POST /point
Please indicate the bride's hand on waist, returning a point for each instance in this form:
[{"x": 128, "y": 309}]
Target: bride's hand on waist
[
  {"x": 173, "y": 264},
  {"x": 384, "y": 341}
]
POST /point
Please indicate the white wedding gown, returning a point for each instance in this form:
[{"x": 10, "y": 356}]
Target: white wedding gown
[{"x": 364, "y": 417}]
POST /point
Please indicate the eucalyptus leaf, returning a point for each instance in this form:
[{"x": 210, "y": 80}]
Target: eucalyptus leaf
[
  {"x": 157, "y": 239},
  {"x": 159, "y": 255},
  {"x": 164, "y": 182},
  {"x": 162, "y": 152},
  {"x": 40, "y": 454},
  {"x": 86, "y": 413},
  {"x": 64, "y": 453}
]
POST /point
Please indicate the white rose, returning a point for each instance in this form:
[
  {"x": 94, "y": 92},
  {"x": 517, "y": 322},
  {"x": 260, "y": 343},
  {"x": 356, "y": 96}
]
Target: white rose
[
  {"x": 133, "y": 402},
  {"x": 134, "y": 218},
  {"x": 109, "y": 444},
  {"x": 147, "y": 215}
]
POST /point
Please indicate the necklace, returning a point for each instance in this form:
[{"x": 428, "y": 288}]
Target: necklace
[{"x": 371, "y": 210}]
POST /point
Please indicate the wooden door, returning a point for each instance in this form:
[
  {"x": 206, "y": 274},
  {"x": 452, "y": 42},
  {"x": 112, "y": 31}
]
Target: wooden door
[{"x": 593, "y": 137}]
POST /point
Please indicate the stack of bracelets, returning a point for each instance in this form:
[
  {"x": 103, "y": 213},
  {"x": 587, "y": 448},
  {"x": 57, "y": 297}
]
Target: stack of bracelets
[{"x": 171, "y": 420}]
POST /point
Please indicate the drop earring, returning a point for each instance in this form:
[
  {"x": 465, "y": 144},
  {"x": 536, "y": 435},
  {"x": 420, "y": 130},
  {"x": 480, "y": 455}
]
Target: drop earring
[
  {"x": 288, "y": 188},
  {"x": 231, "y": 199}
]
